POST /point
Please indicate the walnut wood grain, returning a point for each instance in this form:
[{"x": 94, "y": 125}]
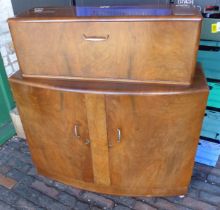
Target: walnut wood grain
[
  {"x": 137, "y": 49},
  {"x": 160, "y": 129},
  {"x": 95, "y": 106},
  {"x": 159, "y": 137},
  {"x": 49, "y": 118},
  {"x": 101, "y": 87}
]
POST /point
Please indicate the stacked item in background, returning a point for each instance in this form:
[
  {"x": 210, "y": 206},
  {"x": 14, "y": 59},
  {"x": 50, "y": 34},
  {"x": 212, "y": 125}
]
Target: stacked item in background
[
  {"x": 209, "y": 146},
  {"x": 209, "y": 54},
  {"x": 211, "y": 23}
]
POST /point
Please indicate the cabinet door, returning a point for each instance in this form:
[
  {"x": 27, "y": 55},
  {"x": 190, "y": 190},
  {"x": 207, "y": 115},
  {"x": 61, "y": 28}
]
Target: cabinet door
[
  {"x": 55, "y": 123},
  {"x": 153, "y": 140}
]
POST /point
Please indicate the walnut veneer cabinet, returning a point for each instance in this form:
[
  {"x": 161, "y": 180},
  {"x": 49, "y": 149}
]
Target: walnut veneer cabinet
[
  {"x": 136, "y": 139},
  {"x": 56, "y": 43}
]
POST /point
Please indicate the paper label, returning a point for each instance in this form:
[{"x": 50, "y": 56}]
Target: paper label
[
  {"x": 215, "y": 27},
  {"x": 38, "y": 10},
  {"x": 185, "y": 2}
]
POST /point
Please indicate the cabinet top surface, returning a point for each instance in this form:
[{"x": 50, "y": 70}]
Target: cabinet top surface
[
  {"x": 114, "y": 88},
  {"x": 115, "y": 13}
]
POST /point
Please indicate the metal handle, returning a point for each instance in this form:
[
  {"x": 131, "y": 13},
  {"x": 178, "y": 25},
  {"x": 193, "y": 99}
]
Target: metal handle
[
  {"x": 119, "y": 135},
  {"x": 110, "y": 144},
  {"x": 76, "y": 131},
  {"x": 95, "y": 38}
]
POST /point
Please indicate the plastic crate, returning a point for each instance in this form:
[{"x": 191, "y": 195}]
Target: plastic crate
[
  {"x": 211, "y": 125},
  {"x": 209, "y": 57},
  {"x": 207, "y": 153},
  {"x": 214, "y": 94}
]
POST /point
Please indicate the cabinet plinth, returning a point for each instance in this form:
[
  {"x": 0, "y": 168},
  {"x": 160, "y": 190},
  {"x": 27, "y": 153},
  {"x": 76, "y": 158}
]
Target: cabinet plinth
[{"x": 136, "y": 139}]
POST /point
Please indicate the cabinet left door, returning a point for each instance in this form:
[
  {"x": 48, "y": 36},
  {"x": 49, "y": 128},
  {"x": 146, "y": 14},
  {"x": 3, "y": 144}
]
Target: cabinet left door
[{"x": 56, "y": 127}]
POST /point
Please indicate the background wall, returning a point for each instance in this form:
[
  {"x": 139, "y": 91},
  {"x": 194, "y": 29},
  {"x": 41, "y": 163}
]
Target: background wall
[{"x": 6, "y": 47}]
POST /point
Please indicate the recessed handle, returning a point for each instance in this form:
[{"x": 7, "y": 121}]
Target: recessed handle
[
  {"x": 76, "y": 131},
  {"x": 95, "y": 38}
]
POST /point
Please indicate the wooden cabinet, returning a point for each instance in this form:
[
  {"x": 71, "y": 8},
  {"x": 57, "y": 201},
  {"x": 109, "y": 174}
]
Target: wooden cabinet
[
  {"x": 147, "y": 49},
  {"x": 136, "y": 139}
]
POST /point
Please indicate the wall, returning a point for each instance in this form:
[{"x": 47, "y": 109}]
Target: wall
[{"x": 6, "y": 47}]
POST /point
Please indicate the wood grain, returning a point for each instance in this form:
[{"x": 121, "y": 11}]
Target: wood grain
[
  {"x": 49, "y": 118},
  {"x": 160, "y": 129},
  {"x": 113, "y": 88},
  {"x": 148, "y": 49},
  {"x": 95, "y": 105},
  {"x": 159, "y": 137}
]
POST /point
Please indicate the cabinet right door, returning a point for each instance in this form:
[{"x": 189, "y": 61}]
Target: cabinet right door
[{"x": 153, "y": 140}]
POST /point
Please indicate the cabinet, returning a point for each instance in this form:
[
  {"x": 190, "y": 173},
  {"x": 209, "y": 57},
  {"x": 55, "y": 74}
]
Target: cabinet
[
  {"x": 144, "y": 49},
  {"x": 136, "y": 139}
]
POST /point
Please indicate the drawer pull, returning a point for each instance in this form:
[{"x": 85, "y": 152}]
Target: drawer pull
[
  {"x": 76, "y": 131},
  {"x": 95, "y": 38},
  {"x": 119, "y": 135}
]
